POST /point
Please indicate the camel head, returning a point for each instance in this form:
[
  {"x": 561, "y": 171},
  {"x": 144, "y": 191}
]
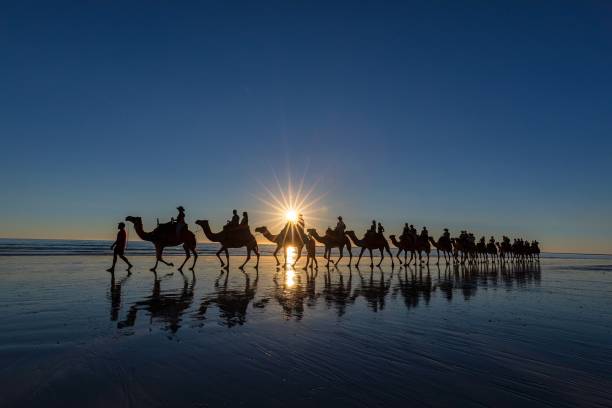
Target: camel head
[
  {"x": 201, "y": 222},
  {"x": 261, "y": 229},
  {"x": 134, "y": 220},
  {"x": 311, "y": 230}
]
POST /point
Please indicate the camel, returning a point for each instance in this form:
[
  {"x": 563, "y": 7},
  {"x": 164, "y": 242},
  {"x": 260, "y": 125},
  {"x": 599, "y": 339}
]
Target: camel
[
  {"x": 443, "y": 245},
  {"x": 165, "y": 236},
  {"x": 371, "y": 241},
  {"x": 284, "y": 240},
  {"x": 331, "y": 241},
  {"x": 413, "y": 243},
  {"x": 232, "y": 238}
]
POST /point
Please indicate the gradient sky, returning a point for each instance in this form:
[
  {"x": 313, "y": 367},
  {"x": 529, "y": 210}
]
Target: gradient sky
[{"x": 491, "y": 116}]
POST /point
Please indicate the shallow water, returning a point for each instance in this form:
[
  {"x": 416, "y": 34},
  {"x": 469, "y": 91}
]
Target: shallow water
[{"x": 75, "y": 335}]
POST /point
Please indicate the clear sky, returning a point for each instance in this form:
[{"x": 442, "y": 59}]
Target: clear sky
[{"x": 492, "y": 116}]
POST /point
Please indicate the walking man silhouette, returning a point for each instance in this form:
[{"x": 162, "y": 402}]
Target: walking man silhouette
[{"x": 118, "y": 248}]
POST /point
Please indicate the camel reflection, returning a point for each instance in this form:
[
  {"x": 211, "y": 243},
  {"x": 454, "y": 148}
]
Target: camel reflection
[
  {"x": 164, "y": 306},
  {"x": 291, "y": 293},
  {"x": 373, "y": 290},
  {"x": 414, "y": 285},
  {"x": 232, "y": 303},
  {"x": 338, "y": 294},
  {"x": 468, "y": 278}
]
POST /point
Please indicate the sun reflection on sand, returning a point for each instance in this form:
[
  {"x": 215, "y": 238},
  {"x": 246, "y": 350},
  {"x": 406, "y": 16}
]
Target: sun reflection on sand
[{"x": 290, "y": 272}]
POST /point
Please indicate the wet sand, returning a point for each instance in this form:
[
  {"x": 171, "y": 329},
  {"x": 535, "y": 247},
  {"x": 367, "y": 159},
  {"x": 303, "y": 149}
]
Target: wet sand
[{"x": 75, "y": 335}]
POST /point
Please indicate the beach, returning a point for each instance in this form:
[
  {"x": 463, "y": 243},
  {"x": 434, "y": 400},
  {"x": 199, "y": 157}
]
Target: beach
[{"x": 533, "y": 334}]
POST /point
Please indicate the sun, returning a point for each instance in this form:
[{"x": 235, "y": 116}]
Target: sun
[
  {"x": 291, "y": 215},
  {"x": 287, "y": 205}
]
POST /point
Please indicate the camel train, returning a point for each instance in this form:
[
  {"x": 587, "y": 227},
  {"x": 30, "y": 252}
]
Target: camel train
[{"x": 237, "y": 234}]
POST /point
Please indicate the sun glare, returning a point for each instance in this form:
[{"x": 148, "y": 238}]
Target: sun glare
[
  {"x": 287, "y": 204},
  {"x": 291, "y": 215}
]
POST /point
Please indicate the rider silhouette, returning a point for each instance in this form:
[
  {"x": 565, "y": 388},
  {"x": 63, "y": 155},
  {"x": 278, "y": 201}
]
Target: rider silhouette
[
  {"x": 380, "y": 228},
  {"x": 424, "y": 234},
  {"x": 180, "y": 221},
  {"x": 373, "y": 226},
  {"x": 406, "y": 230},
  {"x": 446, "y": 235},
  {"x": 235, "y": 219},
  {"x": 245, "y": 219},
  {"x": 340, "y": 227}
]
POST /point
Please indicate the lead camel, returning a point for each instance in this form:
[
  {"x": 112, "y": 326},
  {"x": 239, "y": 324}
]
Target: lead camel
[{"x": 165, "y": 236}]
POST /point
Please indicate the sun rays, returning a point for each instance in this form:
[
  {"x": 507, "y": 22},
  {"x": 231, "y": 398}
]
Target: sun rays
[{"x": 287, "y": 204}]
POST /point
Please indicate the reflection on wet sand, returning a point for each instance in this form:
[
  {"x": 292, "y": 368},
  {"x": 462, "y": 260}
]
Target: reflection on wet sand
[
  {"x": 164, "y": 306},
  {"x": 231, "y": 302},
  {"x": 295, "y": 291}
]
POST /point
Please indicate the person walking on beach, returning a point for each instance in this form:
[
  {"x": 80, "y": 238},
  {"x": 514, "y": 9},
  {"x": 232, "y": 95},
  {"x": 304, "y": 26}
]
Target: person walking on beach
[{"x": 118, "y": 248}]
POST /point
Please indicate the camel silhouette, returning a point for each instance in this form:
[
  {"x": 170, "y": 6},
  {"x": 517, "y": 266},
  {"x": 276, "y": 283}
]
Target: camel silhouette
[
  {"x": 443, "y": 245},
  {"x": 291, "y": 238},
  {"x": 232, "y": 238},
  {"x": 371, "y": 241},
  {"x": 332, "y": 241},
  {"x": 413, "y": 244},
  {"x": 165, "y": 236}
]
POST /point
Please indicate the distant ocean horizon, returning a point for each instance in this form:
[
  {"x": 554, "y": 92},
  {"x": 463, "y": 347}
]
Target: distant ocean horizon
[{"x": 64, "y": 247}]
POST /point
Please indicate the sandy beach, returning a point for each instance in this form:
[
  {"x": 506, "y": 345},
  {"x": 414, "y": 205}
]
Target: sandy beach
[{"x": 75, "y": 335}]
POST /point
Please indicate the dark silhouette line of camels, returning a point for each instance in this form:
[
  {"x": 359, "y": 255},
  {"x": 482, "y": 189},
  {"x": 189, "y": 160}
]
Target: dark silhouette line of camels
[{"x": 458, "y": 250}]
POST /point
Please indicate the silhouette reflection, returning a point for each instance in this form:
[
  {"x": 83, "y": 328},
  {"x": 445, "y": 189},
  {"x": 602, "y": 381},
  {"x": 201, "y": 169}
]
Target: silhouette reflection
[
  {"x": 231, "y": 302},
  {"x": 333, "y": 289},
  {"x": 373, "y": 290},
  {"x": 164, "y": 306},
  {"x": 338, "y": 292},
  {"x": 114, "y": 293}
]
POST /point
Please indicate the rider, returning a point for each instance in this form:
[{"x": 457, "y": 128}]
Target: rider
[
  {"x": 492, "y": 240},
  {"x": 424, "y": 234},
  {"x": 446, "y": 235},
  {"x": 373, "y": 226},
  {"x": 381, "y": 229},
  {"x": 245, "y": 219},
  {"x": 340, "y": 227},
  {"x": 180, "y": 220},
  {"x": 406, "y": 230},
  {"x": 235, "y": 219},
  {"x": 413, "y": 230}
]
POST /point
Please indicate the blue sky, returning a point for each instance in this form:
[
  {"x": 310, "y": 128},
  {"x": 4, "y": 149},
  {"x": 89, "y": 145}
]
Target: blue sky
[{"x": 493, "y": 117}]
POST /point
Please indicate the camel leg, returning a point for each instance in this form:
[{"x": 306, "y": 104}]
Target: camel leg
[
  {"x": 371, "y": 258},
  {"x": 276, "y": 257},
  {"x": 360, "y": 255},
  {"x": 399, "y": 251},
  {"x": 256, "y": 250},
  {"x": 187, "y": 256},
  {"x": 427, "y": 258},
  {"x": 299, "y": 255},
  {"x": 390, "y": 256},
  {"x": 195, "y": 259},
  {"x": 247, "y": 258},
  {"x": 218, "y": 256},
  {"x": 348, "y": 248},
  {"x": 227, "y": 258},
  {"x": 382, "y": 256},
  {"x": 341, "y": 249}
]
